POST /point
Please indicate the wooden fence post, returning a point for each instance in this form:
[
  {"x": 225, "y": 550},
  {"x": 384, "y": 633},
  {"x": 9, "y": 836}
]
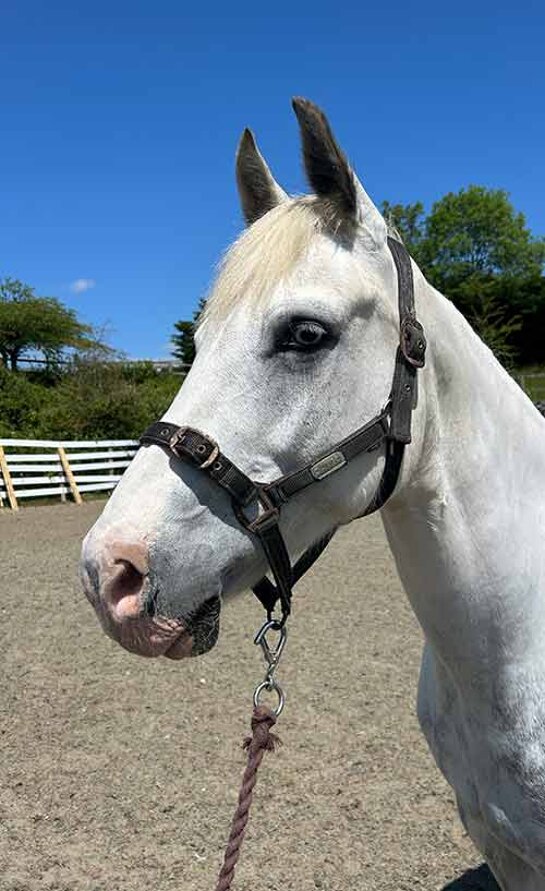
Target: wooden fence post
[
  {"x": 4, "y": 469},
  {"x": 69, "y": 475}
]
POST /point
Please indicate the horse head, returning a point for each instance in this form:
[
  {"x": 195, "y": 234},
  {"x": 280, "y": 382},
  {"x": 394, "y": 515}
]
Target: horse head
[{"x": 295, "y": 350}]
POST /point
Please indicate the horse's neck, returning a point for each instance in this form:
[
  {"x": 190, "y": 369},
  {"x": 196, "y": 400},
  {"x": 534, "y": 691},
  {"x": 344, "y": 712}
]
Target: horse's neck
[{"x": 467, "y": 528}]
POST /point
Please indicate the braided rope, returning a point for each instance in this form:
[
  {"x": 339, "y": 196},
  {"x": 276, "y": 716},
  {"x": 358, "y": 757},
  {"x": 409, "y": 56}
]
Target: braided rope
[{"x": 261, "y": 741}]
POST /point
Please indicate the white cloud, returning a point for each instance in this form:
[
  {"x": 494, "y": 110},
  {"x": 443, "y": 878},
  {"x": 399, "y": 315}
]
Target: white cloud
[{"x": 82, "y": 284}]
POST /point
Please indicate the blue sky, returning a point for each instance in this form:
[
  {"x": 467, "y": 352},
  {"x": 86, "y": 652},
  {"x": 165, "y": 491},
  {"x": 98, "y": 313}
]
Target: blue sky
[{"x": 120, "y": 122}]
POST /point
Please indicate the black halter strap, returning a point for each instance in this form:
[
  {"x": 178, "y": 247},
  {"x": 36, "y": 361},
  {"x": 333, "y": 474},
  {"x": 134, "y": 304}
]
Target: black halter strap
[{"x": 392, "y": 427}]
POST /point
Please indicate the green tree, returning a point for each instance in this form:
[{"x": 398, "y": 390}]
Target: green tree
[
  {"x": 409, "y": 221},
  {"x": 183, "y": 342},
  {"x": 496, "y": 326},
  {"x": 183, "y": 339},
  {"x": 21, "y": 402},
  {"x": 530, "y": 340},
  {"x": 30, "y": 324},
  {"x": 96, "y": 400},
  {"x": 476, "y": 233},
  {"x": 477, "y": 249}
]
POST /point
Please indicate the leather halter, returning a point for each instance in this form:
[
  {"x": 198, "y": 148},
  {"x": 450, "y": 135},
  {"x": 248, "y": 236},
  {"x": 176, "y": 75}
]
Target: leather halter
[{"x": 392, "y": 427}]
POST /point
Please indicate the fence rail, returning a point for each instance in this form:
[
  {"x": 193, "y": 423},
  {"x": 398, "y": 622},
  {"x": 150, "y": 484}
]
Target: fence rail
[{"x": 38, "y": 468}]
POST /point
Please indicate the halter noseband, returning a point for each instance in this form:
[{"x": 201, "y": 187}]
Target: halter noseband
[{"x": 392, "y": 426}]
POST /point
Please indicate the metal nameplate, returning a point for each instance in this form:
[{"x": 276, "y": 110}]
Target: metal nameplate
[{"x": 327, "y": 465}]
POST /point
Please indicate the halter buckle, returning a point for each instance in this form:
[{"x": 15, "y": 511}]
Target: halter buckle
[
  {"x": 177, "y": 438},
  {"x": 269, "y": 516},
  {"x": 412, "y": 341},
  {"x": 213, "y": 456}
]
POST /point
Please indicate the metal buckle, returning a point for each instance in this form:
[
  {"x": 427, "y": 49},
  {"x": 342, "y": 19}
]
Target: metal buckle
[
  {"x": 178, "y": 437},
  {"x": 268, "y": 516},
  {"x": 412, "y": 341},
  {"x": 214, "y": 454}
]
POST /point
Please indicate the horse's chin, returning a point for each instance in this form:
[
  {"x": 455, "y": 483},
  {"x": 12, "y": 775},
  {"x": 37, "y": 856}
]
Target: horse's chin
[
  {"x": 199, "y": 646},
  {"x": 203, "y": 624},
  {"x": 149, "y": 637},
  {"x": 153, "y": 636},
  {"x": 200, "y": 628},
  {"x": 180, "y": 649}
]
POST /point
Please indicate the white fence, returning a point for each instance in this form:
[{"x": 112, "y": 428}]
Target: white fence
[{"x": 34, "y": 468}]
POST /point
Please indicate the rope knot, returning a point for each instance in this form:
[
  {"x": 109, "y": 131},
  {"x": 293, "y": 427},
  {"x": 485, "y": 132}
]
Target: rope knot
[{"x": 263, "y": 720}]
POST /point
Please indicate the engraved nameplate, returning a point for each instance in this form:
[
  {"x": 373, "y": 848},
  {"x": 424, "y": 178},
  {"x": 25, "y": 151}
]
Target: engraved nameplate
[{"x": 327, "y": 465}]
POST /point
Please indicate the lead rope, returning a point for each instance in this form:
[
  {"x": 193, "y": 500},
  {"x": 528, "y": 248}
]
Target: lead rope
[{"x": 261, "y": 741}]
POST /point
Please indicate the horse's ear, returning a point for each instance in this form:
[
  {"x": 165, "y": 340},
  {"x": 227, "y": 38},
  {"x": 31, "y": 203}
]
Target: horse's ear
[
  {"x": 257, "y": 187},
  {"x": 330, "y": 174}
]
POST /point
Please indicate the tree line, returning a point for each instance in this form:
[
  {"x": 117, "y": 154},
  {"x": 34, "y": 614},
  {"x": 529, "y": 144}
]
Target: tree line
[
  {"x": 472, "y": 245},
  {"x": 78, "y": 388}
]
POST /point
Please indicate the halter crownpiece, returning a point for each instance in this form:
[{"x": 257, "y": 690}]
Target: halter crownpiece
[{"x": 391, "y": 426}]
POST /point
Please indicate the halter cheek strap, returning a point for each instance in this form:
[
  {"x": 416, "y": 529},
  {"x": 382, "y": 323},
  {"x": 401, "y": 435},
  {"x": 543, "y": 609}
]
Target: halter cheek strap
[{"x": 391, "y": 427}]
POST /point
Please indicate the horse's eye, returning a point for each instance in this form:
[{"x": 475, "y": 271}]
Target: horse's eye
[{"x": 306, "y": 335}]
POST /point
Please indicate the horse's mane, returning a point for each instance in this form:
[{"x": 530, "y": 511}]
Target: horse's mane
[{"x": 269, "y": 249}]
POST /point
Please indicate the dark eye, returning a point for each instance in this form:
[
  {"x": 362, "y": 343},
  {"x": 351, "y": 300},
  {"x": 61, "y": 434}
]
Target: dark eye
[{"x": 305, "y": 335}]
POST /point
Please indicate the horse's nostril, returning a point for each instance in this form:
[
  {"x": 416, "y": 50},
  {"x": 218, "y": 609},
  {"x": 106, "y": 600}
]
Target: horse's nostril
[
  {"x": 123, "y": 590},
  {"x": 126, "y": 580},
  {"x": 115, "y": 575}
]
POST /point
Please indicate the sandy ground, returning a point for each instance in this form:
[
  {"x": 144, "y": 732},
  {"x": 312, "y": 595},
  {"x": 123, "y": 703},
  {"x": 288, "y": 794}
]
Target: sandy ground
[{"x": 120, "y": 773}]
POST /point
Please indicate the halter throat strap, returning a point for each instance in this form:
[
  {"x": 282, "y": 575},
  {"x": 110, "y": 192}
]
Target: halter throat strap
[{"x": 257, "y": 505}]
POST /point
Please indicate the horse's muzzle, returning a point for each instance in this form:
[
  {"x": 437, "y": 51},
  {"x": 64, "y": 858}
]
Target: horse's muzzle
[{"x": 116, "y": 581}]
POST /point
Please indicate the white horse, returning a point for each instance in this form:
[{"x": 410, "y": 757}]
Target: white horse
[{"x": 296, "y": 351}]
